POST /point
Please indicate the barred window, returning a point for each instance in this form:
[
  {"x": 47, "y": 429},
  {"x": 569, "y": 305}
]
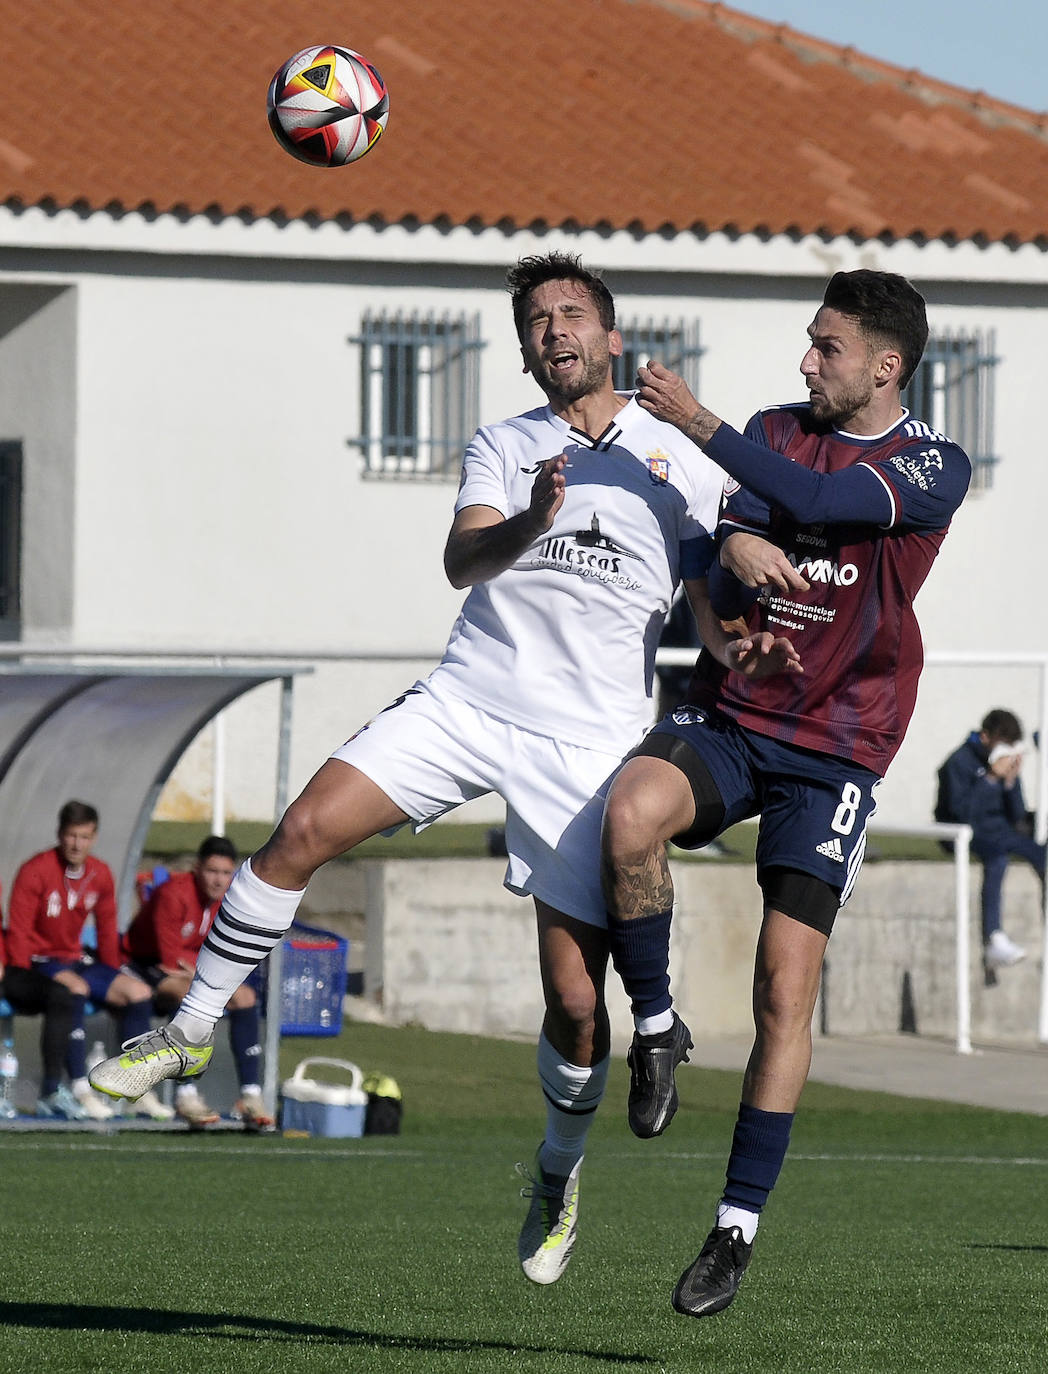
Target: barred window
[
  {"x": 673, "y": 342},
  {"x": 953, "y": 391},
  {"x": 10, "y": 540},
  {"x": 419, "y": 393}
]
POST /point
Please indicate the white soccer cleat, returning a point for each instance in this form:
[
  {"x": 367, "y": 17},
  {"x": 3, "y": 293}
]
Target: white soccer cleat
[
  {"x": 191, "y": 1108},
  {"x": 92, "y": 1104},
  {"x": 149, "y": 1105},
  {"x": 251, "y": 1109},
  {"x": 61, "y": 1105},
  {"x": 147, "y": 1060},
  {"x": 1002, "y": 951},
  {"x": 547, "y": 1237}
]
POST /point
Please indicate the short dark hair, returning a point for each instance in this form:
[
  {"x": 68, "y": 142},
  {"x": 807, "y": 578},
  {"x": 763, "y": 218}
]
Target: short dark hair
[
  {"x": 1003, "y": 725},
  {"x": 217, "y": 846},
  {"x": 887, "y": 308},
  {"x": 530, "y": 272},
  {"x": 77, "y": 813}
]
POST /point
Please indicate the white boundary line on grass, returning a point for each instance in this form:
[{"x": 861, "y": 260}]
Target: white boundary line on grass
[
  {"x": 296, "y": 1152},
  {"x": 796, "y": 1156},
  {"x": 412, "y": 1156}
]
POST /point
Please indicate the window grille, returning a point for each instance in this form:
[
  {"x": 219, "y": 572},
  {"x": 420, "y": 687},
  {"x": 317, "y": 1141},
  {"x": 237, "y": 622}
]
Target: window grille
[
  {"x": 10, "y": 540},
  {"x": 419, "y": 393},
  {"x": 672, "y": 342},
  {"x": 953, "y": 391}
]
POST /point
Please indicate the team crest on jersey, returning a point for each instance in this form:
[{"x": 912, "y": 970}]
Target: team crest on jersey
[
  {"x": 658, "y": 466},
  {"x": 731, "y": 486}
]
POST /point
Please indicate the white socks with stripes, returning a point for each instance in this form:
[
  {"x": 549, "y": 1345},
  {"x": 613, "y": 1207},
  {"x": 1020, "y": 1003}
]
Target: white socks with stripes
[
  {"x": 252, "y": 919},
  {"x": 573, "y": 1093}
]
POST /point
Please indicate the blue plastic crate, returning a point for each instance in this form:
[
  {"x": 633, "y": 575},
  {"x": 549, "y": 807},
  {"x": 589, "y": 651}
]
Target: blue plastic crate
[{"x": 313, "y": 981}]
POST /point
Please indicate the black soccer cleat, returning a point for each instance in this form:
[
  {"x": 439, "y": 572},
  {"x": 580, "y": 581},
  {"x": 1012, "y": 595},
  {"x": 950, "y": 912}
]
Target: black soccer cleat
[
  {"x": 653, "y": 1092},
  {"x": 710, "y": 1284}
]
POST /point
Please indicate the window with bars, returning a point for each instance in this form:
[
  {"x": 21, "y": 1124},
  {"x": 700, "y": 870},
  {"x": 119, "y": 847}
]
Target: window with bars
[
  {"x": 673, "y": 342},
  {"x": 953, "y": 391},
  {"x": 10, "y": 540},
  {"x": 419, "y": 393}
]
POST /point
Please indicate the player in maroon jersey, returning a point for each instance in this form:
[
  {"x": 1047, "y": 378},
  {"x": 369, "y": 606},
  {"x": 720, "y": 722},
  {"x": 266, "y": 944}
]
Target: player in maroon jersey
[
  {"x": 163, "y": 942},
  {"x": 53, "y": 895},
  {"x": 834, "y": 514}
]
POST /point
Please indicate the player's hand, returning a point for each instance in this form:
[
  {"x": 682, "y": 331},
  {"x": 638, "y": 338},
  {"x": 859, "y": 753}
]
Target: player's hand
[
  {"x": 184, "y": 966},
  {"x": 547, "y": 492},
  {"x": 757, "y": 562},
  {"x": 764, "y": 655},
  {"x": 665, "y": 395}
]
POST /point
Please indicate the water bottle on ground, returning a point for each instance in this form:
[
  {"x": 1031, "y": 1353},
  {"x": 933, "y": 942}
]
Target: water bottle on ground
[{"x": 8, "y": 1081}]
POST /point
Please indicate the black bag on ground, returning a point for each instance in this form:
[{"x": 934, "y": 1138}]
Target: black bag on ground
[{"x": 385, "y": 1106}]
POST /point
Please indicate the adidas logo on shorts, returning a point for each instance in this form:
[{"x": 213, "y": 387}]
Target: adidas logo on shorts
[{"x": 832, "y": 849}]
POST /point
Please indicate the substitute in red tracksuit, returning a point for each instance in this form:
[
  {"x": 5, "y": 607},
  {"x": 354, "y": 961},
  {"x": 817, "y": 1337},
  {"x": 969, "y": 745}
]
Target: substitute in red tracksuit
[
  {"x": 162, "y": 944},
  {"x": 52, "y": 897}
]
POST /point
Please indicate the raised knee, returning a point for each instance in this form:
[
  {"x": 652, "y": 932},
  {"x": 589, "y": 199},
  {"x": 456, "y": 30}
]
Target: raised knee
[
  {"x": 623, "y": 823},
  {"x": 634, "y": 825},
  {"x": 299, "y": 830}
]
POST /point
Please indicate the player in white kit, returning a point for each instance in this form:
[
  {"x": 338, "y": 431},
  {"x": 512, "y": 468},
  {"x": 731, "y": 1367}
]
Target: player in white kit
[{"x": 573, "y": 527}]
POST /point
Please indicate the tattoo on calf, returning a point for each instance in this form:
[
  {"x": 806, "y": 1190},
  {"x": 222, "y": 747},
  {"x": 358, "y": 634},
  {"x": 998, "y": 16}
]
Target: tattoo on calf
[{"x": 639, "y": 887}]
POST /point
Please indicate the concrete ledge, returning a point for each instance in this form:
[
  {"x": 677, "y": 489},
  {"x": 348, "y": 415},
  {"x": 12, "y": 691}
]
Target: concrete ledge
[{"x": 449, "y": 949}]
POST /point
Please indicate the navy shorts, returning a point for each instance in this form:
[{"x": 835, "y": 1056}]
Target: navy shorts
[
  {"x": 813, "y": 807},
  {"x": 98, "y": 977}
]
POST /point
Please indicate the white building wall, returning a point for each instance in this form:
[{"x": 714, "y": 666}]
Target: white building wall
[
  {"x": 38, "y": 392},
  {"x": 219, "y": 507}
]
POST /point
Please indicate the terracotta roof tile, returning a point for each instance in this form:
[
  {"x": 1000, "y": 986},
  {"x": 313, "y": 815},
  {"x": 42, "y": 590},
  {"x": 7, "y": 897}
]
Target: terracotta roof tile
[{"x": 648, "y": 114}]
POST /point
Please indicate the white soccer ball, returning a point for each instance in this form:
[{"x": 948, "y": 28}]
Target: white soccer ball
[{"x": 327, "y": 106}]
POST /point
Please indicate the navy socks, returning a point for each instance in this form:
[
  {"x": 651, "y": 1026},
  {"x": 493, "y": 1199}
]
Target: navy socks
[
  {"x": 640, "y": 952},
  {"x": 758, "y": 1149}
]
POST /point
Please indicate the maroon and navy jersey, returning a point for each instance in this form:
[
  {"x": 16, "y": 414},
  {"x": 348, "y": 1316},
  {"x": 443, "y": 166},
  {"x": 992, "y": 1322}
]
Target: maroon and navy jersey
[
  {"x": 172, "y": 924},
  {"x": 49, "y": 906},
  {"x": 855, "y": 629}
]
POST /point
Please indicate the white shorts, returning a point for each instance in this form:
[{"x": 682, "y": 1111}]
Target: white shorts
[{"x": 431, "y": 751}]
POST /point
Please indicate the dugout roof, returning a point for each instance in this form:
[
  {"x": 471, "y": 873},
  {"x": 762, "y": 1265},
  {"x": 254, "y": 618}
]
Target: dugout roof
[
  {"x": 109, "y": 736},
  {"x": 653, "y": 116}
]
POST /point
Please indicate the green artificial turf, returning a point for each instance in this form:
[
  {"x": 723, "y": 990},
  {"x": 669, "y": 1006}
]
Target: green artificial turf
[
  {"x": 176, "y": 839},
  {"x": 903, "y": 1236}
]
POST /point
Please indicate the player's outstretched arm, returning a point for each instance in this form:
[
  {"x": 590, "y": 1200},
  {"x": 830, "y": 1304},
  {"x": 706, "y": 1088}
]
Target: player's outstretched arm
[
  {"x": 853, "y": 496},
  {"x": 484, "y": 543}
]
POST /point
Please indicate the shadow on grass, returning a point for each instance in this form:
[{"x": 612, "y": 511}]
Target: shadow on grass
[
  {"x": 1001, "y": 1245},
  {"x": 228, "y": 1326}
]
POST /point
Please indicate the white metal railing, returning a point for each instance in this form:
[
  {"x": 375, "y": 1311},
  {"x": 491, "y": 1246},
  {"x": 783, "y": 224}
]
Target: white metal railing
[{"x": 1038, "y": 661}]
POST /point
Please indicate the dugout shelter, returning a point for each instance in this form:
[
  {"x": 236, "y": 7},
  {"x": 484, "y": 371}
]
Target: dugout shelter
[{"x": 111, "y": 735}]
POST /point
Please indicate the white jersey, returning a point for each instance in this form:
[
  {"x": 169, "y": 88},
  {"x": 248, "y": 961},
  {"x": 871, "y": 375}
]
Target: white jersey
[{"x": 563, "y": 642}]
